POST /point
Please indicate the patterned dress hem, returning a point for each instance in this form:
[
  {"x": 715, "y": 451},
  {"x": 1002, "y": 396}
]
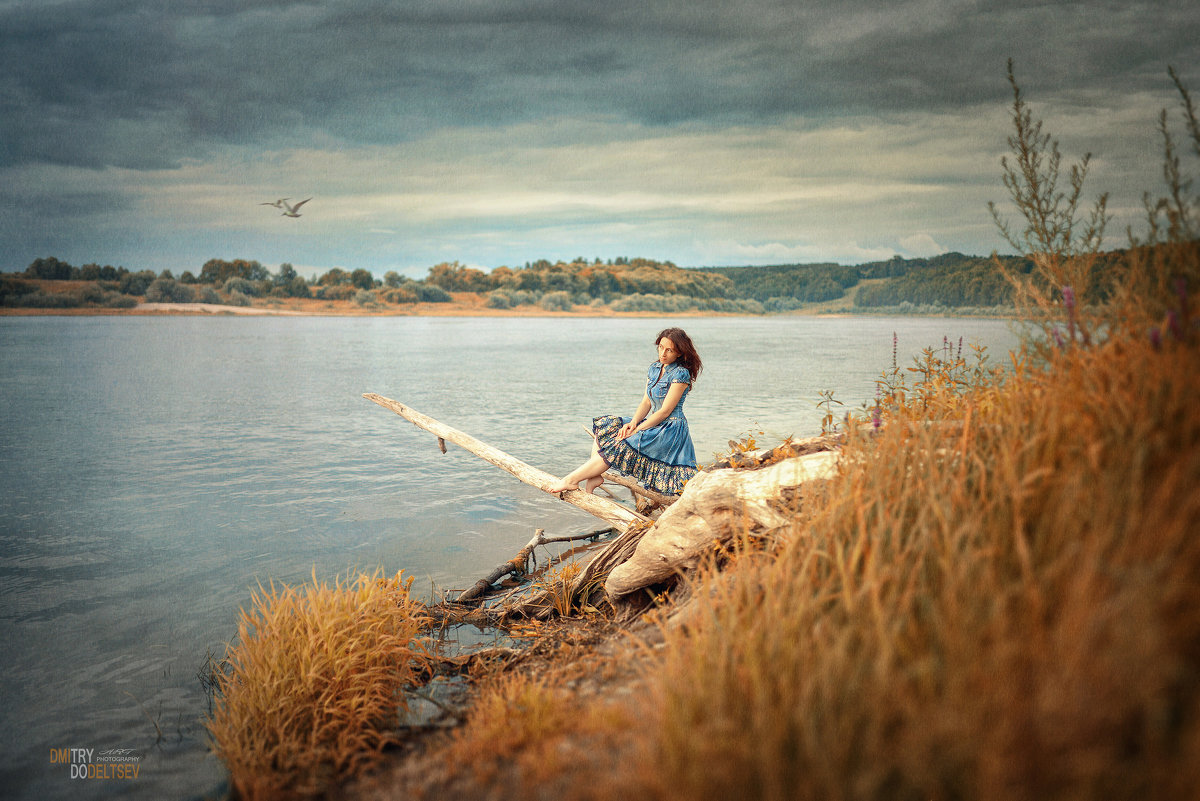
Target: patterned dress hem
[{"x": 649, "y": 472}]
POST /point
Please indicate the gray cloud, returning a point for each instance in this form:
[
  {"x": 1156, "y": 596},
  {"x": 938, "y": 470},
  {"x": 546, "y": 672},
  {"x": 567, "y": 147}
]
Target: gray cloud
[{"x": 144, "y": 85}]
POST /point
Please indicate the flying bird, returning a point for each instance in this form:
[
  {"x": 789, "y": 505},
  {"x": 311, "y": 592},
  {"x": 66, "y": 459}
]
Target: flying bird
[
  {"x": 288, "y": 209},
  {"x": 292, "y": 210}
]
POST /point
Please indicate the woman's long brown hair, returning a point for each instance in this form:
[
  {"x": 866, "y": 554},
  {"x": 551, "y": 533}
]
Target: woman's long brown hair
[{"x": 687, "y": 351}]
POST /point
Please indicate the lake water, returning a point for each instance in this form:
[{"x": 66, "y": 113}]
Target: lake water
[{"x": 156, "y": 469}]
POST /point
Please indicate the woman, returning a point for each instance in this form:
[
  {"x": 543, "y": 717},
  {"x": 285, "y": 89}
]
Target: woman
[{"x": 654, "y": 446}]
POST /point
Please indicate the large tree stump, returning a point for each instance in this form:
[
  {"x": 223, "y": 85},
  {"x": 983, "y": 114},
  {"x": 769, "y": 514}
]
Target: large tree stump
[{"x": 713, "y": 508}]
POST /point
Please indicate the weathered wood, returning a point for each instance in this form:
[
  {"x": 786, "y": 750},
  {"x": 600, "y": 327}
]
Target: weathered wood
[
  {"x": 609, "y": 511},
  {"x": 638, "y": 489},
  {"x": 514, "y": 566},
  {"x": 714, "y": 507},
  {"x": 519, "y": 564}
]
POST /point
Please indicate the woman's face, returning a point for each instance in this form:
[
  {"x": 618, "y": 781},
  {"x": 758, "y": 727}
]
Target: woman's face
[{"x": 667, "y": 353}]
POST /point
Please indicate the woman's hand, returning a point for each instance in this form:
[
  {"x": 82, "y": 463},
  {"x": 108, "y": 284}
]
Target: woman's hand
[{"x": 627, "y": 430}]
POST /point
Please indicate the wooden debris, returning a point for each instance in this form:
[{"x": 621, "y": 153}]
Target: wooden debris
[
  {"x": 607, "y": 510},
  {"x": 519, "y": 564},
  {"x": 785, "y": 450},
  {"x": 656, "y": 498},
  {"x": 714, "y": 506}
]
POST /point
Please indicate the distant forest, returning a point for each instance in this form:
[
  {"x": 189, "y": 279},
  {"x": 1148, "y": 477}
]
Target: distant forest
[{"x": 951, "y": 281}]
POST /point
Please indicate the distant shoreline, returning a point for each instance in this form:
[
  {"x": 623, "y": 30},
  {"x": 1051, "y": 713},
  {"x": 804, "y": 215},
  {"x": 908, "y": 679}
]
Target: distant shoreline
[{"x": 464, "y": 304}]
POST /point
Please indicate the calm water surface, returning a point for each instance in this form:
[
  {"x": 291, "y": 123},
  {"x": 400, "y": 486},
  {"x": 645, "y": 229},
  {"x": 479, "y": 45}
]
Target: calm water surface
[{"x": 156, "y": 469}]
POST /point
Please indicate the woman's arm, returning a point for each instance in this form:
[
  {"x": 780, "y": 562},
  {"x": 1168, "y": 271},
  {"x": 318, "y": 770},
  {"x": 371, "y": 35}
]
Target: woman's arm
[
  {"x": 638, "y": 416},
  {"x": 674, "y": 393}
]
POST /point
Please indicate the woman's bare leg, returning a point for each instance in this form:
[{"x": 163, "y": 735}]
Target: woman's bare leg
[
  {"x": 589, "y": 471},
  {"x": 592, "y": 483}
]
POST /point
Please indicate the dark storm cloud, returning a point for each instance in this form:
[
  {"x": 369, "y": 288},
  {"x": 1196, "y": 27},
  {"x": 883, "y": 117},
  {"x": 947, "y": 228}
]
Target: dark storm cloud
[{"x": 146, "y": 85}]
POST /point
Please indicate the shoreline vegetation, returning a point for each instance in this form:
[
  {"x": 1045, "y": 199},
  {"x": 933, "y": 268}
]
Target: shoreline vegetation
[
  {"x": 950, "y": 284},
  {"x": 996, "y": 594}
]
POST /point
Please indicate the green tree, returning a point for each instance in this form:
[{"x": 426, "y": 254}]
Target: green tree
[
  {"x": 49, "y": 269},
  {"x": 362, "y": 279},
  {"x": 334, "y": 277},
  {"x": 287, "y": 273}
]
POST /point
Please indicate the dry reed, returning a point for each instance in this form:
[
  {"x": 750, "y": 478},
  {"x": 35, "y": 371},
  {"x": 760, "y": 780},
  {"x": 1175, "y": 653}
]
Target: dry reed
[
  {"x": 999, "y": 597},
  {"x": 313, "y": 685}
]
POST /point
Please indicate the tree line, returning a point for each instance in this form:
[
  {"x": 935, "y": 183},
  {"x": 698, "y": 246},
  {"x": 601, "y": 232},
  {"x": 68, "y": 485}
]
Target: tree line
[{"x": 950, "y": 280}]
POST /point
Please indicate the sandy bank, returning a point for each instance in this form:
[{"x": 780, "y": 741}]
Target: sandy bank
[{"x": 207, "y": 308}]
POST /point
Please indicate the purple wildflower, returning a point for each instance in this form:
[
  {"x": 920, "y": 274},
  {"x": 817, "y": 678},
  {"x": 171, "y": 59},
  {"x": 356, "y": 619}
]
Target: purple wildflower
[
  {"x": 1156, "y": 337},
  {"x": 1068, "y": 294},
  {"x": 1174, "y": 325}
]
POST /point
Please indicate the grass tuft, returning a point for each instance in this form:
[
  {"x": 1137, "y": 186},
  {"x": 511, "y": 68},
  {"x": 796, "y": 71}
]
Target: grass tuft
[{"x": 311, "y": 690}]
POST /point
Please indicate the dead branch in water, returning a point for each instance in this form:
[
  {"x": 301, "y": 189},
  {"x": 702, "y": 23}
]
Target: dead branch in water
[{"x": 519, "y": 564}]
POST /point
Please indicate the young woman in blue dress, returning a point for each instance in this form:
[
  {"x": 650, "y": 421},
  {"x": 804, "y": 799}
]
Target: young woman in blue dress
[{"x": 654, "y": 447}]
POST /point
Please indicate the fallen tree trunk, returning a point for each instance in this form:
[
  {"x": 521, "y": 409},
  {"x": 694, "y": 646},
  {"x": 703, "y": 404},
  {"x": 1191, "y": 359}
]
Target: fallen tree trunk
[
  {"x": 608, "y": 511},
  {"x": 713, "y": 508}
]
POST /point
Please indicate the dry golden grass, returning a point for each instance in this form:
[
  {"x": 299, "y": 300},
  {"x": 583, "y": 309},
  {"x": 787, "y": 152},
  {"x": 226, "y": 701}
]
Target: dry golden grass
[
  {"x": 312, "y": 689},
  {"x": 999, "y": 598}
]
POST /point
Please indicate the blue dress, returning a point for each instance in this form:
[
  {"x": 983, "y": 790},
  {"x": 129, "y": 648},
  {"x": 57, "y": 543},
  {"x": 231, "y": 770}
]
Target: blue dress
[{"x": 661, "y": 458}]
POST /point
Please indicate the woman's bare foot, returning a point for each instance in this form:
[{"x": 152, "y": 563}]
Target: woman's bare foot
[
  {"x": 562, "y": 486},
  {"x": 592, "y": 484}
]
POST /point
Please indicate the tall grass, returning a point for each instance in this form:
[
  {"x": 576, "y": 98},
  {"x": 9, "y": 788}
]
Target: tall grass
[
  {"x": 1008, "y": 611},
  {"x": 311, "y": 693},
  {"x": 999, "y": 597}
]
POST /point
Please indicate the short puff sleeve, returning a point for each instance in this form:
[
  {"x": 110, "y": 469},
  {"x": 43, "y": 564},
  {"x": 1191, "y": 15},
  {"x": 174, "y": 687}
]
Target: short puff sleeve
[{"x": 678, "y": 374}]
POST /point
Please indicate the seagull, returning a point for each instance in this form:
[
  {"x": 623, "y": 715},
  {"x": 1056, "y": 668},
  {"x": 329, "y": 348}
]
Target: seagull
[
  {"x": 292, "y": 210},
  {"x": 279, "y": 204}
]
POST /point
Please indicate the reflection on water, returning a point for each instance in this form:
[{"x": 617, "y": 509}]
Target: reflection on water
[{"x": 157, "y": 469}]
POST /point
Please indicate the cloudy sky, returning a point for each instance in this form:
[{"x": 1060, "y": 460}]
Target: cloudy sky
[{"x": 492, "y": 132}]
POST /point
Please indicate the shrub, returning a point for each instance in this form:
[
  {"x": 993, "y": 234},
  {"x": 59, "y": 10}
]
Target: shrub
[
  {"x": 12, "y": 288},
  {"x": 500, "y": 299},
  {"x": 428, "y": 293},
  {"x": 336, "y": 292},
  {"x": 238, "y": 299},
  {"x": 242, "y": 285},
  {"x": 206, "y": 294},
  {"x": 557, "y": 301},
  {"x": 401, "y": 294},
  {"x": 782, "y": 304},
  {"x": 312, "y": 688},
  {"x": 167, "y": 290},
  {"x": 118, "y": 301},
  {"x": 46, "y": 300},
  {"x": 364, "y": 297},
  {"x": 136, "y": 283},
  {"x": 647, "y": 302}
]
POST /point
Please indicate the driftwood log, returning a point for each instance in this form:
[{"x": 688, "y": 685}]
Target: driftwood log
[
  {"x": 715, "y": 505},
  {"x": 713, "y": 508},
  {"x": 609, "y": 511}
]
